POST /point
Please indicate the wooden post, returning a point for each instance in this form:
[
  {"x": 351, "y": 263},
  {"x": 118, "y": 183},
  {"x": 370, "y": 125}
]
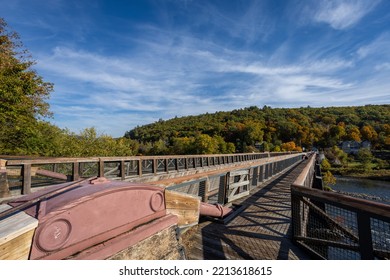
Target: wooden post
[
  {"x": 296, "y": 216},
  {"x": 55, "y": 167},
  {"x": 122, "y": 172},
  {"x": 253, "y": 175},
  {"x": 101, "y": 168},
  {"x": 4, "y": 188},
  {"x": 140, "y": 167},
  {"x": 223, "y": 185},
  {"x": 202, "y": 190},
  {"x": 26, "y": 180},
  {"x": 261, "y": 174},
  {"x": 176, "y": 164},
  {"x": 75, "y": 171},
  {"x": 365, "y": 237},
  {"x": 154, "y": 166},
  {"x": 166, "y": 161}
]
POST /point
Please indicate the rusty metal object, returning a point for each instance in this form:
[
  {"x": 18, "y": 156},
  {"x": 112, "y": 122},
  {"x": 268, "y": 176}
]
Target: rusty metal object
[
  {"x": 96, "y": 219},
  {"x": 214, "y": 210},
  {"x": 51, "y": 174}
]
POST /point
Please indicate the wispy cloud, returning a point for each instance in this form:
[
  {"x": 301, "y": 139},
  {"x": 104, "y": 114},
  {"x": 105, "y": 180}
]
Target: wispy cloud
[
  {"x": 342, "y": 14},
  {"x": 378, "y": 48},
  {"x": 207, "y": 57}
]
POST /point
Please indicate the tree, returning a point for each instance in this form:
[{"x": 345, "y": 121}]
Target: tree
[
  {"x": 325, "y": 165},
  {"x": 352, "y": 133},
  {"x": 365, "y": 156},
  {"x": 23, "y": 93},
  {"x": 328, "y": 179},
  {"x": 369, "y": 133}
]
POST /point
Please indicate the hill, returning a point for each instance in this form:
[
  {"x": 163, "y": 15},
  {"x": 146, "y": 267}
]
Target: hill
[{"x": 266, "y": 129}]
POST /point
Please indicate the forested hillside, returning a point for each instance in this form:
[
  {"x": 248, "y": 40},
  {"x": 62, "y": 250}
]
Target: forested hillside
[{"x": 266, "y": 129}]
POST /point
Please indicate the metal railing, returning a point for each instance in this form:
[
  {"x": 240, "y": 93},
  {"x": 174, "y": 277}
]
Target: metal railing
[{"x": 335, "y": 226}]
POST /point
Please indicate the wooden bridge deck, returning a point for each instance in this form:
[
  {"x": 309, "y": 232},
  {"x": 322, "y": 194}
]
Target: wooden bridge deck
[{"x": 261, "y": 231}]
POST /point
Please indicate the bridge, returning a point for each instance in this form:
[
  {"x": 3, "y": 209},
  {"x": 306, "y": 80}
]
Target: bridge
[{"x": 237, "y": 206}]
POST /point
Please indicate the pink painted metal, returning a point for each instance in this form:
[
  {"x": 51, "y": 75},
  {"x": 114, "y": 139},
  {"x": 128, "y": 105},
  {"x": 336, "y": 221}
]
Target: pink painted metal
[
  {"x": 51, "y": 174},
  {"x": 92, "y": 213},
  {"x": 214, "y": 210}
]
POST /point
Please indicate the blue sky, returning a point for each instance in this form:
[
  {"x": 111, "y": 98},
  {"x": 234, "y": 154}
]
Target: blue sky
[{"x": 117, "y": 64}]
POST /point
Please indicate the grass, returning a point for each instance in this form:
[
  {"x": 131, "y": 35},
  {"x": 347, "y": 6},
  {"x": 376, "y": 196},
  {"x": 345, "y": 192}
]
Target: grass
[{"x": 359, "y": 171}]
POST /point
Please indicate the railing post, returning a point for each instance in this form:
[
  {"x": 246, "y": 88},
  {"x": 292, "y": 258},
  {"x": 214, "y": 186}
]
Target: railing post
[
  {"x": 122, "y": 172},
  {"x": 154, "y": 167},
  {"x": 202, "y": 190},
  {"x": 75, "y": 171},
  {"x": 296, "y": 216},
  {"x": 261, "y": 173},
  {"x": 101, "y": 168},
  {"x": 26, "y": 181},
  {"x": 365, "y": 237},
  {"x": 254, "y": 175},
  {"x": 166, "y": 161},
  {"x": 177, "y": 164},
  {"x": 223, "y": 183},
  {"x": 140, "y": 167},
  {"x": 4, "y": 188}
]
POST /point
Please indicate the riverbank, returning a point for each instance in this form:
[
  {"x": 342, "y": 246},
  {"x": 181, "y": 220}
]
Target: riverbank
[
  {"x": 375, "y": 190},
  {"x": 379, "y": 175}
]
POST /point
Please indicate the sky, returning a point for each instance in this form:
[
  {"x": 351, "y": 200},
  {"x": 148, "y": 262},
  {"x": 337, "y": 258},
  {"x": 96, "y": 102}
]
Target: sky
[{"x": 117, "y": 64}]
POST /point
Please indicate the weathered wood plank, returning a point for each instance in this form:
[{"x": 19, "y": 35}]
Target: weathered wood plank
[
  {"x": 185, "y": 206},
  {"x": 16, "y": 234},
  {"x": 15, "y": 225},
  {"x": 17, "y": 248},
  {"x": 238, "y": 184},
  {"x": 237, "y": 196},
  {"x": 239, "y": 172}
]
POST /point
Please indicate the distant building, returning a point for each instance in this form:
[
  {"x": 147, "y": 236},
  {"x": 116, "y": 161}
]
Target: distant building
[
  {"x": 366, "y": 144},
  {"x": 353, "y": 147}
]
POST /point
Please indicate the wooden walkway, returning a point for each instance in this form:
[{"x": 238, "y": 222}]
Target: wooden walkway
[{"x": 261, "y": 231}]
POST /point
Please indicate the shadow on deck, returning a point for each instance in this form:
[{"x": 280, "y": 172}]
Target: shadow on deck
[{"x": 261, "y": 231}]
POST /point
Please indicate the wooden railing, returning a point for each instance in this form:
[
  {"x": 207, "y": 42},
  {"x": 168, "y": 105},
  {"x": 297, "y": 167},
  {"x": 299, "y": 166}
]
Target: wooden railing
[
  {"x": 224, "y": 187},
  {"x": 335, "y": 226},
  {"x": 24, "y": 174}
]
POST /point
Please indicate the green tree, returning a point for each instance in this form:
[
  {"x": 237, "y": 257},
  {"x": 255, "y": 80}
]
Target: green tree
[
  {"x": 365, "y": 156},
  {"x": 23, "y": 95},
  {"x": 205, "y": 144},
  {"x": 328, "y": 180},
  {"x": 325, "y": 165}
]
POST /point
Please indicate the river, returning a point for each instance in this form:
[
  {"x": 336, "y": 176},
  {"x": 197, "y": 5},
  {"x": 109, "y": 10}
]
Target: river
[{"x": 375, "y": 188}]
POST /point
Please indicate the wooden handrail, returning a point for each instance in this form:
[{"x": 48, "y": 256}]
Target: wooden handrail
[
  {"x": 12, "y": 162},
  {"x": 300, "y": 180},
  {"x": 360, "y": 204}
]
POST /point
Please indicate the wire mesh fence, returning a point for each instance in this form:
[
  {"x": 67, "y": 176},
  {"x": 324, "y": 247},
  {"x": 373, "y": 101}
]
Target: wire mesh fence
[{"x": 335, "y": 226}]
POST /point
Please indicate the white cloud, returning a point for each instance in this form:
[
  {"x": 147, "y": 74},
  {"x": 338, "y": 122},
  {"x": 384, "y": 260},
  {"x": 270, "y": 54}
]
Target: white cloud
[
  {"x": 115, "y": 93},
  {"x": 343, "y": 14},
  {"x": 174, "y": 72},
  {"x": 378, "y": 48}
]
